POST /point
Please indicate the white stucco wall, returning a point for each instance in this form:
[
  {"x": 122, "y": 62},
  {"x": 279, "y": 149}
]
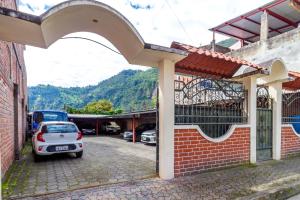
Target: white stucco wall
[{"x": 285, "y": 46}]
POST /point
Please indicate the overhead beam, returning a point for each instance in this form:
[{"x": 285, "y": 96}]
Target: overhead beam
[
  {"x": 228, "y": 34},
  {"x": 243, "y": 29},
  {"x": 281, "y": 18},
  {"x": 255, "y": 22}
]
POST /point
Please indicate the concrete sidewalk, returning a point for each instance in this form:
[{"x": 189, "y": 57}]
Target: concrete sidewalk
[{"x": 269, "y": 180}]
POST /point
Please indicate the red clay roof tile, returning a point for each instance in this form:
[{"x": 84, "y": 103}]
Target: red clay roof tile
[{"x": 213, "y": 64}]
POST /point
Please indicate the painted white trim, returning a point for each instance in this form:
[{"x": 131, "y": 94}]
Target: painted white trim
[
  {"x": 166, "y": 123},
  {"x": 291, "y": 126},
  {"x": 214, "y": 140}
]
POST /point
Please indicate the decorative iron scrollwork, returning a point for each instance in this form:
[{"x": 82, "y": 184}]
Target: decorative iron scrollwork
[
  {"x": 214, "y": 105},
  {"x": 291, "y": 108},
  {"x": 263, "y": 97}
]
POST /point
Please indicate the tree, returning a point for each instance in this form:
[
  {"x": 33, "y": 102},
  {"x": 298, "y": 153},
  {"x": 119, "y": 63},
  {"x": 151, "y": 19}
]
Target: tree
[
  {"x": 103, "y": 106},
  {"x": 99, "y": 107}
]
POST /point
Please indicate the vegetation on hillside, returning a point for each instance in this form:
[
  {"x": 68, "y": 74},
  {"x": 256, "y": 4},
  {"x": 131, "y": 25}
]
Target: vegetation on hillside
[
  {"x": 228, "y": 42},
  {"x": 103, "y": 106},
  {"x": 128, "y": 90}
]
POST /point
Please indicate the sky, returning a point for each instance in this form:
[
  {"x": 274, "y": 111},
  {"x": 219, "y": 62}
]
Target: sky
[{"x": 74, "y": 62}]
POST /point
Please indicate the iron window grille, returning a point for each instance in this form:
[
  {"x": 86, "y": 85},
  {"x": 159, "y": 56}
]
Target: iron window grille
[
  {"x": 213, "y": 105},
  {"x": 291, "y": 108}
]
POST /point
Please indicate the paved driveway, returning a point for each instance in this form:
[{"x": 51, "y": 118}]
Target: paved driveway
[
  {"x": 270, "y": 180},
  {"x": 106, "y": 160}
]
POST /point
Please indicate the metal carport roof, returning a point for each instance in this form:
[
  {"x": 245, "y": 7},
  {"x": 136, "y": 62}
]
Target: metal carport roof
[{"x": 284, "y": 16}]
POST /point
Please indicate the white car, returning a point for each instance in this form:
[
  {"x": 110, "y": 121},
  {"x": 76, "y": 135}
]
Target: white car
[
  {"x": 57, "y": 137},
  {"x": 149, "y": 137}
]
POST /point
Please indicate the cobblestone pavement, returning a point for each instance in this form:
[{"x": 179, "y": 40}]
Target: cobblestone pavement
[
  {"x": 106, "y": 160},
  {"x": 244, "y": 182}
]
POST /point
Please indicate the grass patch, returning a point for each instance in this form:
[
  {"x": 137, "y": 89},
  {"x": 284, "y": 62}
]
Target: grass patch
[{"x": 17, "y": 174}]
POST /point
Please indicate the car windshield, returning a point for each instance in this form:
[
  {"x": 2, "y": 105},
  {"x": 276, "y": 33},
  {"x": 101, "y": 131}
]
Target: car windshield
[
  {"x": 59, "y": 128},
  {"x": 113, "y": 124},
  {"x": 145, "y": 127},
  {"x": 49, "y": 116}
]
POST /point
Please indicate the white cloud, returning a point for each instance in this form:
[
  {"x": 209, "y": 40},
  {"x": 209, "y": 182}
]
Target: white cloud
[{"x": 75, "y": 62}]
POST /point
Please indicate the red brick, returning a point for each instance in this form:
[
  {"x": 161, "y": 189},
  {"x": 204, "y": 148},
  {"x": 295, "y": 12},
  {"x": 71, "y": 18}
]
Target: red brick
[
  {"x": 290, "y": 142},
  {"x": 199, "y": 154},
  {"x": 8, "y": 63}
]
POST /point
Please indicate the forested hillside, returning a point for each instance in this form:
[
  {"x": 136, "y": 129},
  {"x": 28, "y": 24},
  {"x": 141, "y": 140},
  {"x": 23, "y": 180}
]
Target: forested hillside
[{"x": 128, "y": 90}]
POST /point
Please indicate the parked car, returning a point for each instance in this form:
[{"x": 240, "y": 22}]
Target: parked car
[
  {"x": 149, "y": 137},
  {"x": 39, "y": 116},
  {"x": 138, "y": 130},
  {"x": 55, "y": 138},
  {"x": 110, "y": 127},
  {"x": 86, "y": 131}
]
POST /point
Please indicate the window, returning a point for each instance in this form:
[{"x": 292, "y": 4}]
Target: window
[
  {"x": 59, "y": 128},
  {"x": 291, "y": 108}
]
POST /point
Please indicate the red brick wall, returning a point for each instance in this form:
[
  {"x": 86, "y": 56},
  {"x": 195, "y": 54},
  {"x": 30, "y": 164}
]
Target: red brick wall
[
  {"x": 194, "y": 153},
  {"x": 10, "y": 74},
  {"x": 290, "y": 142}
]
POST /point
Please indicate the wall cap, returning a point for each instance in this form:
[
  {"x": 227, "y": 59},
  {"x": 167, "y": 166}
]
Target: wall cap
[
  {"x": 214, "y": 140},
  {"x": 292, "y": 127}
]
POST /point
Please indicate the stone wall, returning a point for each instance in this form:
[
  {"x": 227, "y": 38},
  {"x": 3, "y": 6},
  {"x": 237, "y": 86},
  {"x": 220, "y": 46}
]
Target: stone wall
[{"x": 12, "y": 72}]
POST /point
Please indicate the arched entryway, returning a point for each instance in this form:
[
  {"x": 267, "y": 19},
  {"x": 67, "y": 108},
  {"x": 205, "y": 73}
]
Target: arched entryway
[{"x": 92, "y": 16}]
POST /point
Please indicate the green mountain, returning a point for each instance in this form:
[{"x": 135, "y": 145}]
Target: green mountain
[
  {"x": 128, "y": 90},
  {"x": 228, "y": 42}
]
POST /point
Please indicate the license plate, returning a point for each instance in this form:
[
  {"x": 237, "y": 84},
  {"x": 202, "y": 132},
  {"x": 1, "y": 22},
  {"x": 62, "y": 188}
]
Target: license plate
[{"x": 61, "y": 148}]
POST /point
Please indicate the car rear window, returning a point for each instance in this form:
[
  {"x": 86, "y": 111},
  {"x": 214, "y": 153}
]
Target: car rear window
[{"x": 59, "y": 128}]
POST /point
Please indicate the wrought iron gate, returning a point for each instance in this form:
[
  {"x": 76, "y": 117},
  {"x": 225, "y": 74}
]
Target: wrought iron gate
[{"x": 264, "y": 124}]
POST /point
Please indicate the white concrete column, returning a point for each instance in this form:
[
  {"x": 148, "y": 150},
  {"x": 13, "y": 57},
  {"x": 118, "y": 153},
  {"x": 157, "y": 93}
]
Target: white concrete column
[
  {"x": 250, "y": 85},
  {"x": 166, "y": 119},
  {"x": 264, "y": 27},
  {"x": 275, "y": 90}
]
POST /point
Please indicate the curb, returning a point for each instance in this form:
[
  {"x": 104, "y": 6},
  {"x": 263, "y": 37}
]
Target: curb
[{"x": 278, "y": 194}]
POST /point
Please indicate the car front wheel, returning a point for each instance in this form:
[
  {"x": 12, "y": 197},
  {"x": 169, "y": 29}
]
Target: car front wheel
[{"x": 79, "y": 154}]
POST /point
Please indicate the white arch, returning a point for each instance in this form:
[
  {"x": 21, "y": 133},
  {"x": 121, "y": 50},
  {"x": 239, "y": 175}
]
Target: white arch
[
  {"x": 278, "y": 72},
  {"x": 91, "y": 16},
  {"x": 83, "y": 16}
]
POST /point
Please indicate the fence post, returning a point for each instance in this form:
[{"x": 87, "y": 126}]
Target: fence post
[
  {"x": 276, "y": 94},
  {"x": 250, "y": 85},
  {"x": 166, "y": 119}
]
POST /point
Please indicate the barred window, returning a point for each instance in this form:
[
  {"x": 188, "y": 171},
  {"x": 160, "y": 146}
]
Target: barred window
[
  {"x": 291, "y": 108},
  {"x": 213, "y": 105}
]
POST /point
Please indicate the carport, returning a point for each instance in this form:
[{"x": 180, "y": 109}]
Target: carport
[{"x": 127, "y": 121}]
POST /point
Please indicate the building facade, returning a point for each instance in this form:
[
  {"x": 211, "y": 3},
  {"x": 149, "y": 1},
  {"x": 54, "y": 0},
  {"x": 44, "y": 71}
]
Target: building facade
[
  {"x": 13, "y": 98},
  {"x": 231, "y": 109}
]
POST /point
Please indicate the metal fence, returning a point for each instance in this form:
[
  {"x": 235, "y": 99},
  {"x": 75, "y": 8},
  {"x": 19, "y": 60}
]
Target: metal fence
[
  {"x": 291, "y": 107},
  {"x": 214, "y": 105}
]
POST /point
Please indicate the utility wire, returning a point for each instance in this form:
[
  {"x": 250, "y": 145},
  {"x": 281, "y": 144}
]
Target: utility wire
[
  {"x": 83, "y": 38},
  {"x": 179, "y": 22}
]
